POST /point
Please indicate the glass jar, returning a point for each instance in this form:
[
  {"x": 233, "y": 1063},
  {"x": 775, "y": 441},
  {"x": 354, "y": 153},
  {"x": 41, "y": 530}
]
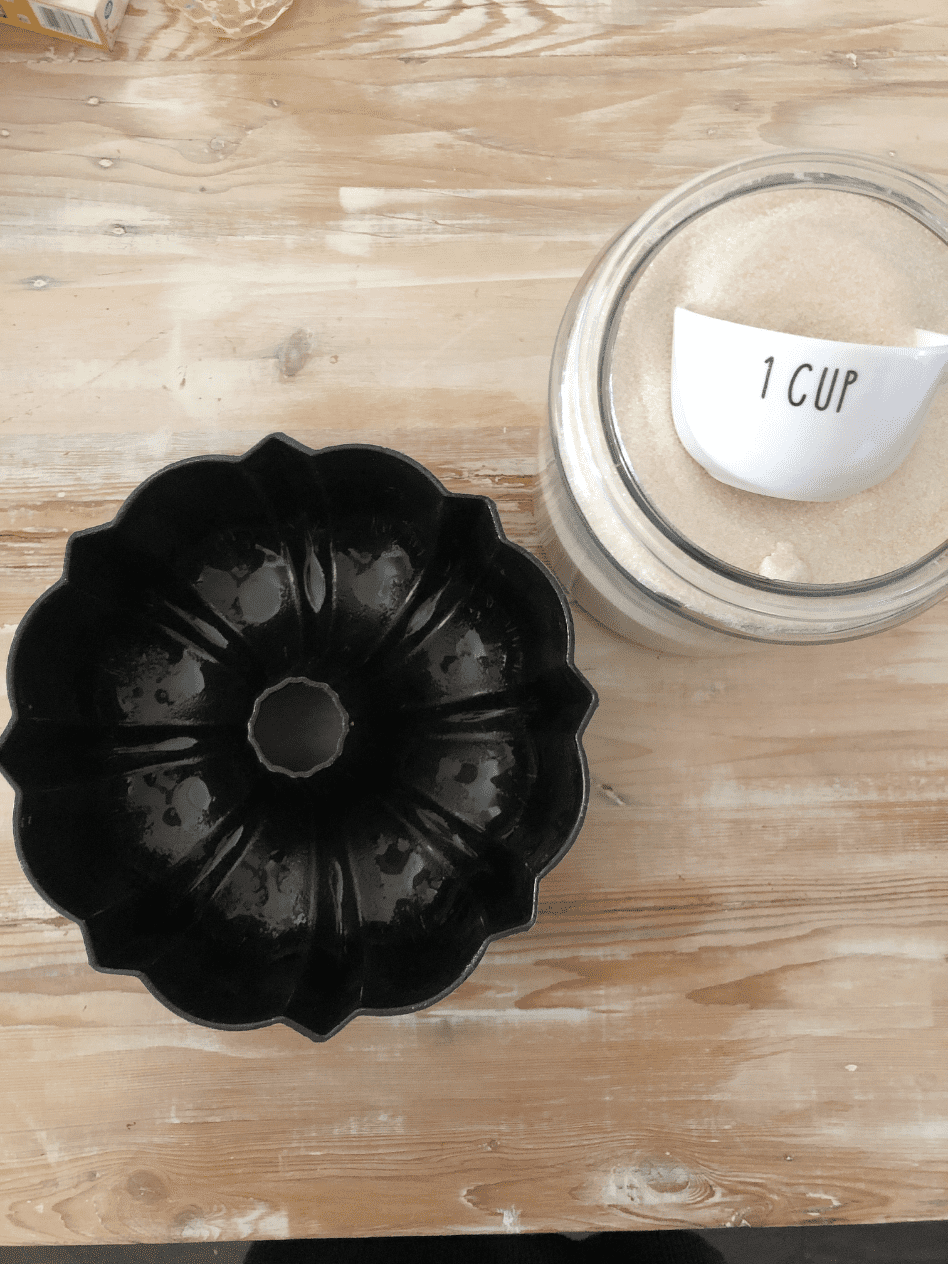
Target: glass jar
[{"x": 615, "y": 551}]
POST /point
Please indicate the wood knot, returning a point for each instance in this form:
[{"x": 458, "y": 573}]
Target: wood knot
[
  {"x": 146, "y": 1187},
  {"x": 654, "y": 1182},
  {"x": 666, "y": 1178},
  {"x": 293, "y": 352}
]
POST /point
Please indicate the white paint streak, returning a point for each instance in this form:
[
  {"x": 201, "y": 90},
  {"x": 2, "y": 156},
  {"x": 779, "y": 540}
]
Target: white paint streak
[
  {"x": 261, "y": 1221},
  {"x": 505, "y": 1014},
  {"x": 356, "y": 200},
  {"x": 708, "y": 692},
  {"x": 915, "y": 946},
  {"x": 369, "y": 1125},
  {"x": 512, "y": 1220},
  {"x": 52, "y": 1150},
  {"x": 353, "y": 200},
  {"x": 77, "y": 214},
  {"x": 745, "y": 796},
  {"x": 24, "y": 905},
  {"x": 834, "y": 1202},
  {"x": 349, "y": 243},
  {"x": 915, "y": 1131}
]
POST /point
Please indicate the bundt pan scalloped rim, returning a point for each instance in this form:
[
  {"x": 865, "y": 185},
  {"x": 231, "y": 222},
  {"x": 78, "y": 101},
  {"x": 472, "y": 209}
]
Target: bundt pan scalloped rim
[{"x": 296, "y": 736}]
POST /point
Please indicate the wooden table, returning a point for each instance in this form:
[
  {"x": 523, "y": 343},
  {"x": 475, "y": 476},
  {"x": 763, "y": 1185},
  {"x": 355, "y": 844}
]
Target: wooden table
[{"x": 365, "y": 224}]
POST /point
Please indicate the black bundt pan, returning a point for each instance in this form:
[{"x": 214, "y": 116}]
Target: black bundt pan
[{"x": 296, "y": 736}]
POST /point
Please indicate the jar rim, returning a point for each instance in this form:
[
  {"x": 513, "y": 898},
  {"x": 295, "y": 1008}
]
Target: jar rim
[{"x": 789, "y": 609}]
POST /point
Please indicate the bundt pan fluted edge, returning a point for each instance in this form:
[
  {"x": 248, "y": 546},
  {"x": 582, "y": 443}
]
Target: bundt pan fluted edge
[{"x": 295, "y": 736}]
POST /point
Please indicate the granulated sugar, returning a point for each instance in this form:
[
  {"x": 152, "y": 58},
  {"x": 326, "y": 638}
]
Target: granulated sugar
[{"x": 819, "y": 263}]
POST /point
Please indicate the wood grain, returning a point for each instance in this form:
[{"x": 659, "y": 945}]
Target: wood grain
[{"x": 365, "y": 225}]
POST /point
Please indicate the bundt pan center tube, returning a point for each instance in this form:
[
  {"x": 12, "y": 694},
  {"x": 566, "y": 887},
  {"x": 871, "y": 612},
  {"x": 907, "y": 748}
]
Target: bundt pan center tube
[{"x": 296, "y": 736}]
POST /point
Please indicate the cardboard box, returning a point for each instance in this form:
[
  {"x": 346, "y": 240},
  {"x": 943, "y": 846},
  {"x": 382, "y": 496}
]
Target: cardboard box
[{"x": 92, "y": 22}]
